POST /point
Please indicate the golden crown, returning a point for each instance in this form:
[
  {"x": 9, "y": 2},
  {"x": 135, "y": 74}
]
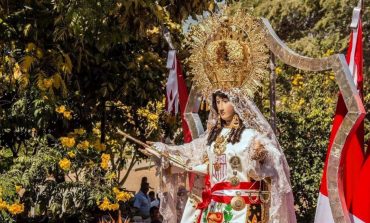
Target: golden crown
[{"x": 228, "y": 51}]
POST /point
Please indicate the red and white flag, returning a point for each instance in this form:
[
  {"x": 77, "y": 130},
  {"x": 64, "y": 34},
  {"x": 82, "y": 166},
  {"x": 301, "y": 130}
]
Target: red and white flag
[
  {"x": 353, "y": 151},
  {"x": 176, "y": 92},
  {"x": 361, "y": 198},
  {"x": 177, "y": 96}
]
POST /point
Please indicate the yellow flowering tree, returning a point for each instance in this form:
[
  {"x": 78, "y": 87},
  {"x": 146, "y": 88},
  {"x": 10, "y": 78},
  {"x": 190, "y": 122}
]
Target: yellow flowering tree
[{"x": 68, "y": 79}]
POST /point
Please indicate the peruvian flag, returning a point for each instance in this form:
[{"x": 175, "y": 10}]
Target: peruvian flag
[
  {"x": 177, "y": 96},
  {"x": 353, "y": 151},
  {"x": 361, "y": 198},
  {"x": 176, "y": 92}
]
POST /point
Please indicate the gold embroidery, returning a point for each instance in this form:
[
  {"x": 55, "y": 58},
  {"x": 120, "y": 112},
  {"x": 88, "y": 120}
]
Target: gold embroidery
[
  {"x": 234, "y": 181},
  {"x": 235, "y": 162},
  {"x": 220, "y": 145},
  {"x": 217, "y": 166},
  {"x": 238, "y": 202},
  {"x": 259, "y": 151}
]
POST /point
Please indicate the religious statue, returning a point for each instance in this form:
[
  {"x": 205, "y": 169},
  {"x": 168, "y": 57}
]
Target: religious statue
[{"x": 246, "y": 176}]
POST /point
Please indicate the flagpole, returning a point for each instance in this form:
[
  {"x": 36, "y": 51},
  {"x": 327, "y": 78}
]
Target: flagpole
[
  {"x": 151, "y": 150},
  {"x": 357, "y": 11},
  {"x": 167, "y": 37},
  {"x": 272, "y": 93}
]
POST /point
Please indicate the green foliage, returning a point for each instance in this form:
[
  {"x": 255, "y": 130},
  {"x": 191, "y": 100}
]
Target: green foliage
[{"x": 96, "y": 65}]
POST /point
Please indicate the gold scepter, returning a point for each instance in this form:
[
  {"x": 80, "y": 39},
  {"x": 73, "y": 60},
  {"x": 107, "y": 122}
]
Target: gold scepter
[{"x": 152, "y": 150}]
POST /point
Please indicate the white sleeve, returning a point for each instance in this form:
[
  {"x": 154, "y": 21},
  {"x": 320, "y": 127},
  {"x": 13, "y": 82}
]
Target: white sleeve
[
  {"x": 275, "y": 167},
  {"x": 192, "y": 154}
]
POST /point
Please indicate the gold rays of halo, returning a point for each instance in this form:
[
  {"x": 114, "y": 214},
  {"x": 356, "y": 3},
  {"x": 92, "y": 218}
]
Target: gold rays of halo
[{"x": 228, "y": 51}]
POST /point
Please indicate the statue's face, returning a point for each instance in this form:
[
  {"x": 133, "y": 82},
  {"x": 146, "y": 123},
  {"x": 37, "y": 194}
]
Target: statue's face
[{"x": 225, "y": 108}]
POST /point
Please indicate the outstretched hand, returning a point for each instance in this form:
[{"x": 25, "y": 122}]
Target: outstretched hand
[{"x": 150, "y": 143}]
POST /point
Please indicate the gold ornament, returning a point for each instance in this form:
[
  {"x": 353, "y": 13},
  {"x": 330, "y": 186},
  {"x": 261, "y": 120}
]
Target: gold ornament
[
  {"x": 217, "y": 166},
  {"x": 220, "y": 145},
  {"x": 264, "y": 197},
  {"x": 235, "y": 162},
  {"x": 228, "y": 51},
  {"x": 234, "y": 181},
  {"x": 258, "y": 151},
  {"x": 238, "y": 202},
  {"x": 235, "y": 123}
]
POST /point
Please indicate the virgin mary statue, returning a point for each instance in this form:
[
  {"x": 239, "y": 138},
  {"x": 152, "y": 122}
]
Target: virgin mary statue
[{"x": 246, "y": 175}]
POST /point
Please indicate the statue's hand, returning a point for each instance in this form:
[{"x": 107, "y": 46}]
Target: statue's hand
[
  {"x": 153, "y": 151},
  {"x": 258, "y": 151},
  {"x": 150, "y": 143}
]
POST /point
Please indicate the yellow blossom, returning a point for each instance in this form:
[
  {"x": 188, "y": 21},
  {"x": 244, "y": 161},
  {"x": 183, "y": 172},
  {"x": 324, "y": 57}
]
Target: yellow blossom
[
  {"x": 114, "y": 207},
  {"x": 329, "y": 52},
  {"x": 67, "y": 115},
  {"x": 99, "y": 146},
  {"x": 332, "y": 76},
  {"x": 16, "y": 208},
  {"x": 104, "y": 165},
  {"x": 115, "y": 190},
  {"x": 79, "y": 131},
  {"x": 104, "y": 161},
  {"x": 61, "y": 109},
  {"x": 84, "y": 145},
  {"x": 301, "y": 102},
  {"x": 30, "y": 47},
  {"x": 3, "y": 205},
  {"x": 96, "y": 131},
  {"x": 65, "y": 164},
  {"x": 328, "y": 101},
  {"x": 111, "y": 176},
  {"x": 71, "y": 154},
  {"x": 278, "y": 70},
  {"x": 105, "y": 156},
  {"x": 107, "y": 206},
  {"x": 298, "y": 80},
  {"x": 122, "y": 195},
  {"x": 67, "y": 141},
  {"x": 154, "y": 30},
  {"x": 17, "y": 73}
]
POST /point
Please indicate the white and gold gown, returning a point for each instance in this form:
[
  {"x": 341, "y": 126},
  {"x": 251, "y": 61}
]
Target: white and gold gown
[{"x": 233, "y": 174}]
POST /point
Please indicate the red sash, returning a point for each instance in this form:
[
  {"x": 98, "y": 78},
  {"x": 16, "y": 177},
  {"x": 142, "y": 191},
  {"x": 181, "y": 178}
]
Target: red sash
[{"x": 207, "y": 195}]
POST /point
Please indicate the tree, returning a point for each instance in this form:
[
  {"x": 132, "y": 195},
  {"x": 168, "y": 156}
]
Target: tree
[{"x": 71, "y": 72}]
